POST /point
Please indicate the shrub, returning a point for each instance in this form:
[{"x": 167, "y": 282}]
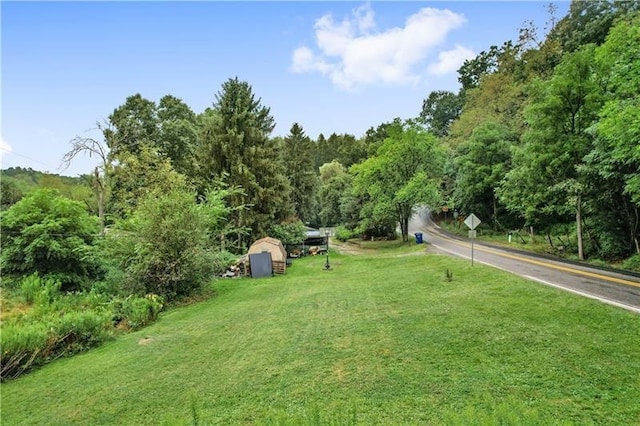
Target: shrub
[
  {"x": 22, "y": 348},
  {"x": 39, "y": 291},
  {"x": 135, "y": 312},
  {"x": 632, "y": 263},
  {"x": 343, "y": 234},
  {"x": 47, "y": 233},
  {"x": 221, "y": 260},
  {"x": 164, "y": 247},
  {"x": 79, "y": 330},
  {"x": 289, "y": 233}
]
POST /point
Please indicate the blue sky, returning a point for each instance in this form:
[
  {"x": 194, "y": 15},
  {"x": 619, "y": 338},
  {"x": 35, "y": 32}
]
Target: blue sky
[{"x": 330, "y": 66}]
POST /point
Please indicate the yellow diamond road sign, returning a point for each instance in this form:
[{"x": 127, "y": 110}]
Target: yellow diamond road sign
[{"x": 472, "y": 221}]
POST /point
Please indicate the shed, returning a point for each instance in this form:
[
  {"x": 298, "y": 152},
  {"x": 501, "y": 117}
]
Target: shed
[{"x": 275, "y": 248}]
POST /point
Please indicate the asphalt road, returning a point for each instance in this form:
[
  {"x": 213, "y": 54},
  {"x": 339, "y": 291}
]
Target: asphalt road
[{"x": 614, "y": 288}]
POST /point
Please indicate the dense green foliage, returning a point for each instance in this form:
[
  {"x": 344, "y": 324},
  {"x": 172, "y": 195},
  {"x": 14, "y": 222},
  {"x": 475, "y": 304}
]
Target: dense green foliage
[
  {"x": 297, "y": 156},
  {"x": 404, "y": 174},
  {"x": 289, "y": 233},
  {"x": 165, "y": 247},
  {"x": 52, "y": 235},
  {"x": 53, "y": 325},
  {"x": 237, "y": 149},
  {"x": 567, "y": 160}
]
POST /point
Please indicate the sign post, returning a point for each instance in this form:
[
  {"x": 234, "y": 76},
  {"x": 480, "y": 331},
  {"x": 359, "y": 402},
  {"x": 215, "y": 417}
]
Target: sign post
[{"x": 472, "y": 222}]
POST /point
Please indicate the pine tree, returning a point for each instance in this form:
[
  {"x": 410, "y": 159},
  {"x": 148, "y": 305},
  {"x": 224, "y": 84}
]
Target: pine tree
[
  {"x": 299, "y": 168},
  {"x": 236, "y": 148}
]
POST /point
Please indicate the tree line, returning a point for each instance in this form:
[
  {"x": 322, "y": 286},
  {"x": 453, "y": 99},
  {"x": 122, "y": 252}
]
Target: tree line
[{"x": 533, "y": 139}]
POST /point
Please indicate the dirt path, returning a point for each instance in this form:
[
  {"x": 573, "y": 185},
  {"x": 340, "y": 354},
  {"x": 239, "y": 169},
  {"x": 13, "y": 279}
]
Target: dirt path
[{"x": 346, "y": 247}]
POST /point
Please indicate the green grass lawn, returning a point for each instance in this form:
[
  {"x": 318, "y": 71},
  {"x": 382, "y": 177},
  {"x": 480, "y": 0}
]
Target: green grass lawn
[{"x": 379, "y": 339}]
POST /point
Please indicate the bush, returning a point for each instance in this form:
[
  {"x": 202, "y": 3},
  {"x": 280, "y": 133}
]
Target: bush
[
  {"x": 39, "y": 291},
  {"x": 80, "y": 330},
  {"x": 164, "y": 247},
  {"x": 221, "y": 260},
  {"x": 343, "y": 234},
  {"x": 135, "y": 312},
  {"x": 289, "y": 233},
  {"x": 632, "y": 263},
  {"x": 23, "y": 347},
  {"x": 49, "y": 234}
]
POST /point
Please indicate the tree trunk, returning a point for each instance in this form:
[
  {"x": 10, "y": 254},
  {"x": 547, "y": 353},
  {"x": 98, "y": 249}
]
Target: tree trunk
[
  {"x": 495, "y": 214},
  {"x": 404, "y": 229},
  {"x": 99, "y": 188},
  {"x": 579, "y": 228}
]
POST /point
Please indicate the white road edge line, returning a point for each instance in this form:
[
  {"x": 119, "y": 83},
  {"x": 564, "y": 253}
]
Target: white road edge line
[
  {"x": 580, "y": 293},
  {"x": 588, "y": 295}
]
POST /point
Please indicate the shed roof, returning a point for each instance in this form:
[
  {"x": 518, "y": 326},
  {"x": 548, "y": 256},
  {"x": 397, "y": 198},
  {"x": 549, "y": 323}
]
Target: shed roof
[{"x": 271, "y": 242}]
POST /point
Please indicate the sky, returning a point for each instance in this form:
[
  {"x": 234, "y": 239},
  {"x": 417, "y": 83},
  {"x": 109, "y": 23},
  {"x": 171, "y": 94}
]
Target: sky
[{"x": 330, "y": 66}]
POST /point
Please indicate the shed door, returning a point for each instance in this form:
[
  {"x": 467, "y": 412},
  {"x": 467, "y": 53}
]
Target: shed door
[{"x": 261, "y": 265}]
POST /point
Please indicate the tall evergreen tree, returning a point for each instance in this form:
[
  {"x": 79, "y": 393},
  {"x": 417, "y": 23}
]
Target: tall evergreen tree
[
  {"x": 236, "y": 148},
  {"x": 298, "y": 165}
]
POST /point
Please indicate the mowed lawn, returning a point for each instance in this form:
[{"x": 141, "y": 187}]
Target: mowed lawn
[{"x": 382, "y": 338}]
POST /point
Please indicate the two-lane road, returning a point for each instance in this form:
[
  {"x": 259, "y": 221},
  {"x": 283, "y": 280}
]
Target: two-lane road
[{"x": 610, "y": 287}]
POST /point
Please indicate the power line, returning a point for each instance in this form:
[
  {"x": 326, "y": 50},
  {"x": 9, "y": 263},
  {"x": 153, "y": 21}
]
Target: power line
[{"x": 6, "y": 152}]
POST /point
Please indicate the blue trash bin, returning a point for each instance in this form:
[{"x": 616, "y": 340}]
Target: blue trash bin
[{"x": 418, "y": 237}]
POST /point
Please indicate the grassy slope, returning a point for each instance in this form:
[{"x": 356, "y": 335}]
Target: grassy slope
[{"x": 380, "y": 339}]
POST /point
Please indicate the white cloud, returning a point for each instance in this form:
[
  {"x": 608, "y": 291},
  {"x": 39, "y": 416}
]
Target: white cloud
[
  {"x": 351, "y": 53},
  {"x": 450, "y": 60}
]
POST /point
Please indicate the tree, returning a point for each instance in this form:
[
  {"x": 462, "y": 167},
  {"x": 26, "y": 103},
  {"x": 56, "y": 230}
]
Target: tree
[
  {"x": 615, "y": 60},
  {"x": 488, "y": 62},
  {"x": 49, "y": 234},
  {"x": 499, "y": 98},
  {"x": 615, "y": 159},
  {"x": 297, "y": 150},
  {"x": 235, "y": 147},
  {"x": 319, "y": 154},
  {"x": 10, "y": 193},
  {"x": 350, "y": 150},
  {"x": 166, "y": 246},
  {"x": 374, "y": 137},
  {"x": 177, "y": 134},
  {"x": 589, "y": 22},
  {"x": 403, "y": 174},
  {"x": 132, "y": 125},
  {"x": 482, "y": 162},
  {"x": 331, "y": 170},
  {"x": 335, "y": 185},
  {"x": 561, "y": 111},
  {"x": 101, "y": 173},
  {"x": 439, "y": 110},
  {"x": 137, "y": 175}
]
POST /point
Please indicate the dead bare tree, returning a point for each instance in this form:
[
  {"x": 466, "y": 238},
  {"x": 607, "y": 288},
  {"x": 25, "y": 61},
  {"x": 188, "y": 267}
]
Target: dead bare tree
[{"x": 98, "y": 148}]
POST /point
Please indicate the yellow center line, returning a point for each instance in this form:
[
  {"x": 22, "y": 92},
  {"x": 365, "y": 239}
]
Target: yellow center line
[{"x": 545, "y": 264}]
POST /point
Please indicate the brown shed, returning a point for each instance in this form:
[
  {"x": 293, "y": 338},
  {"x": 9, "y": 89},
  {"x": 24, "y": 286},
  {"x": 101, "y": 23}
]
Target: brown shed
[{"x": 275, "y": 248}]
